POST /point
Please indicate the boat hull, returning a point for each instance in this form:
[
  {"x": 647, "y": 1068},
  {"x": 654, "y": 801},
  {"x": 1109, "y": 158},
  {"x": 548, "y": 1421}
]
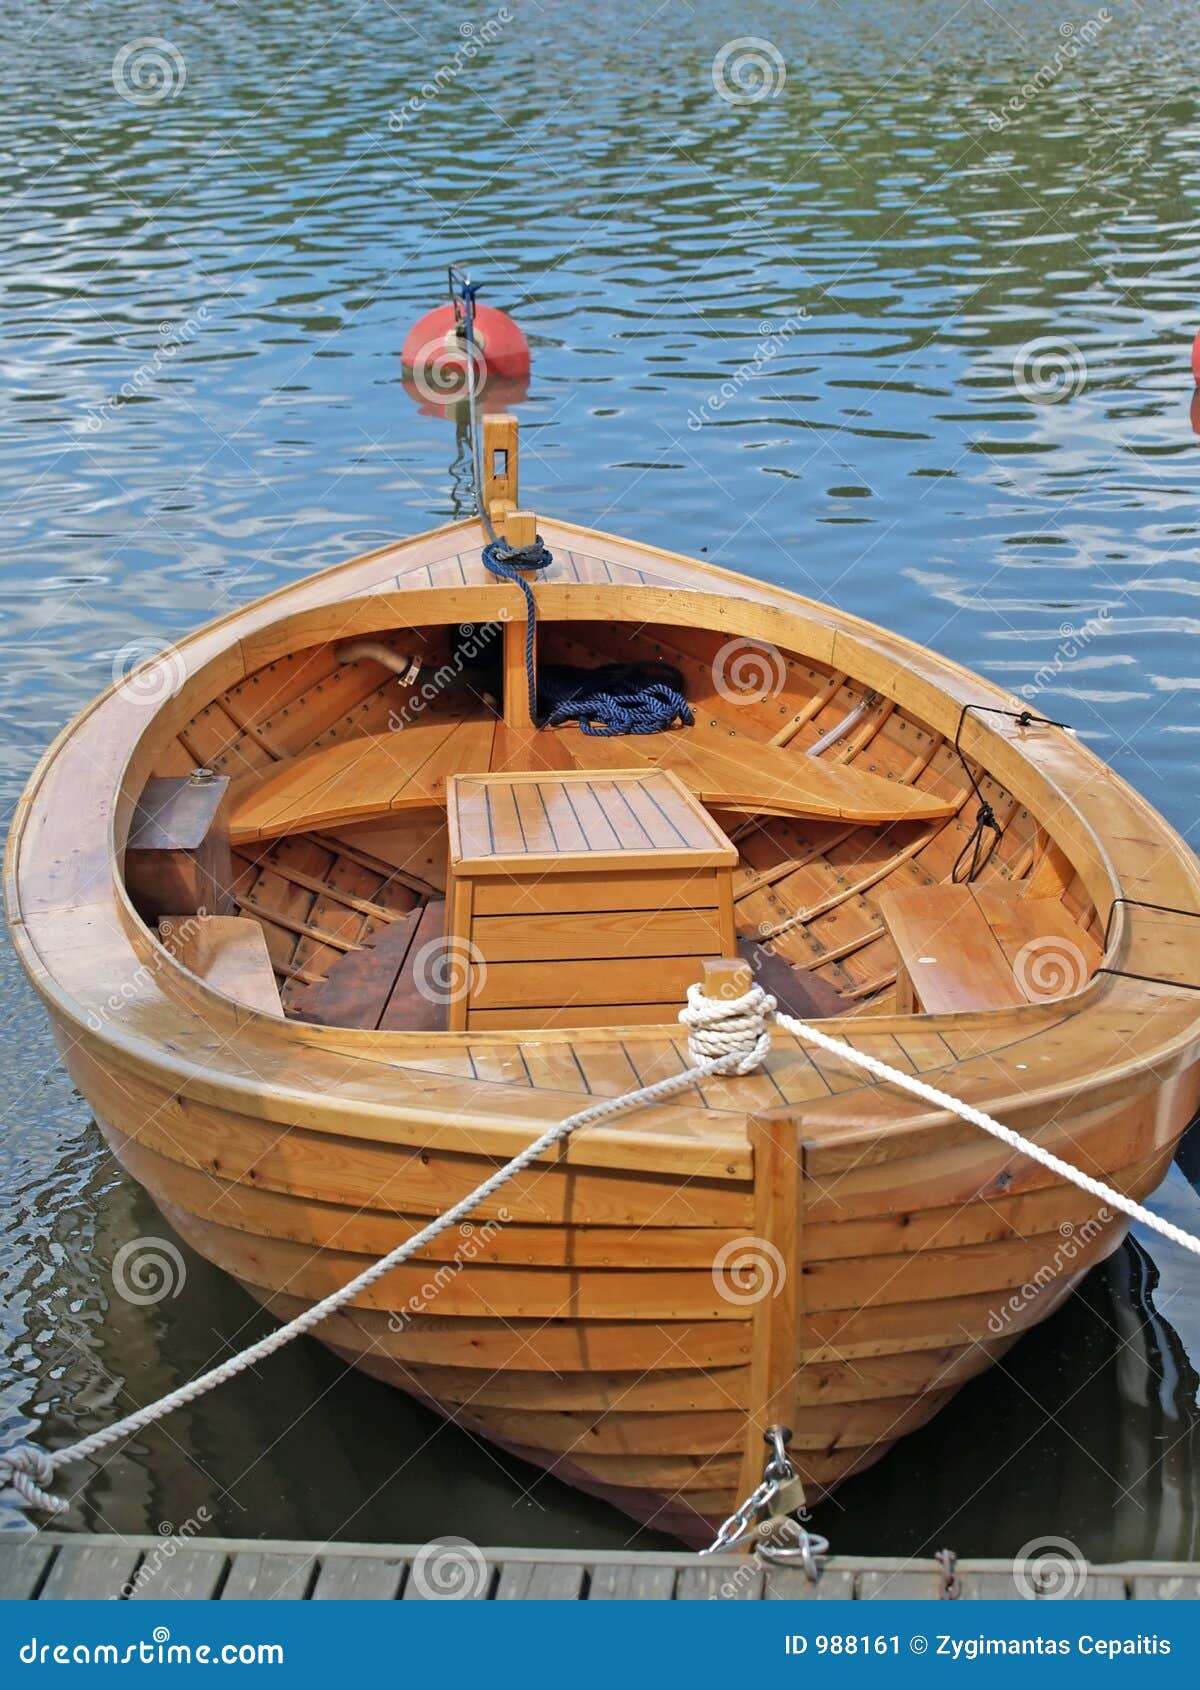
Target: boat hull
[{"x": 797, "y": 1246}]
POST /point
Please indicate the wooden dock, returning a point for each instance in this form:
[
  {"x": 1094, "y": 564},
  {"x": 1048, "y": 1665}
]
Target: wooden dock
[{"x": 64, "y": 1567}]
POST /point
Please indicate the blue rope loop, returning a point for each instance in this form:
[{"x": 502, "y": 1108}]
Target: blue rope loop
[{"x": 507, "y": 562}]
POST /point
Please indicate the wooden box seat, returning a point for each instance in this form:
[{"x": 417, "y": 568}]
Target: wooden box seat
[
  {"x": 380, "y": 774},
  {"x": 989, "y": 946},
  {"x": 582, "y": 900}
]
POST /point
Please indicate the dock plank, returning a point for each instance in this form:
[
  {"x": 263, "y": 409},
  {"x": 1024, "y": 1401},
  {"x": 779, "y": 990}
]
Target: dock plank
[
  {"x": 721, "y": 1583},
  {"x": 22, "y": 1567},
  {"x": 90, "y": 1572},
  {"x": 270, "y": 1577},
  {"x": 1166, "y": 1587},
  {"x": 790, "y": 1584},
  {"x": 540, "y": 1581},
  {"x": 359, "y": 1578},
  {"x": 191, "y": 1575},
  {"x": 641, "y": 1580}
]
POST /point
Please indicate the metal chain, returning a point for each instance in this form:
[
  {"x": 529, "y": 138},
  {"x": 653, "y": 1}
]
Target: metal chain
[{"x": 779, "y": 1475}]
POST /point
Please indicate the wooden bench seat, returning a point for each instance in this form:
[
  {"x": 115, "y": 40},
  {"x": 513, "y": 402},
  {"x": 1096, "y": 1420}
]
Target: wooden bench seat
[
  {"x": 229, "y": 953},
  {"x": 990, "y": 946},
  {"x": 381, "y": 774}
]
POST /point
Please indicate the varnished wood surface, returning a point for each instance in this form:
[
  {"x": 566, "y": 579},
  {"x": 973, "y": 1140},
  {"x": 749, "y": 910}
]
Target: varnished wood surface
[{"x": 592, "y": 1334}]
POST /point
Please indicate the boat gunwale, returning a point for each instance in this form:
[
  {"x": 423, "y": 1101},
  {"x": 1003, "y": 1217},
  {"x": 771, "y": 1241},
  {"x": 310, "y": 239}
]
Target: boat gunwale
[{"x": 254, "y": 619}]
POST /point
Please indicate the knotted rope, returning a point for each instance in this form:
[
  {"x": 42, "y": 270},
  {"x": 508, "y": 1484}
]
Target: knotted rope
[{"x": 708, "y": 1016}]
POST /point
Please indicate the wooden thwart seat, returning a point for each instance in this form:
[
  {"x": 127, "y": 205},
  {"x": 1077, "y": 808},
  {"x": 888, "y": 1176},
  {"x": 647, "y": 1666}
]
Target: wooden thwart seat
[
  {"x": 381, "y": 774},
  {"x": 991, "y": 946}
]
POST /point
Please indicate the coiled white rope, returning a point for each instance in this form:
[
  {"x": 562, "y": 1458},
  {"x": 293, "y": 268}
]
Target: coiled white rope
[{"x": 726, "y": 1036}]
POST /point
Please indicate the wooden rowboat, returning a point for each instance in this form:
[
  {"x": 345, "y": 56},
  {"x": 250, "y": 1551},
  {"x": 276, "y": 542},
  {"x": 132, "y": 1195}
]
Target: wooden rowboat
[{"x": 248, "y": 979}]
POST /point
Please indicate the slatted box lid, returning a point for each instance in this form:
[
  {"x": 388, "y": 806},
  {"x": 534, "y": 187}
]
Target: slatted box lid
[{"x": 575, "y": 822}]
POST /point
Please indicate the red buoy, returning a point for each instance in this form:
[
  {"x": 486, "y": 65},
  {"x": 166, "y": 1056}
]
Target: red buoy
[
  {"x": 435, "y": 354},
  {"x": 1196, "y": 360}
]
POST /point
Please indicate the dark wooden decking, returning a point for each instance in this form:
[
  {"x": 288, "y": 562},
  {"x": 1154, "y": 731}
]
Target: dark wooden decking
[{"x": 50, "y": 1567}]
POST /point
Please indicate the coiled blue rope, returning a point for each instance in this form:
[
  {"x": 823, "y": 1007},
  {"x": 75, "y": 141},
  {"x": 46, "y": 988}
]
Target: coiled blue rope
[{"x": 619, "y": 699}]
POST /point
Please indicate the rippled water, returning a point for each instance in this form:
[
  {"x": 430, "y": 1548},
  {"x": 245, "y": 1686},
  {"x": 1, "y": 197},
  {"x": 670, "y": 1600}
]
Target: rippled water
[{"x": 801, "y": 335}]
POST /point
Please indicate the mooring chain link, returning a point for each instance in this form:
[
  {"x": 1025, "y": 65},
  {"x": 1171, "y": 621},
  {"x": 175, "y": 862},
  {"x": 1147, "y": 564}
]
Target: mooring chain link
[
  {"x": 778, "y": 1493},
  {"x": 951, "y": 1589}
]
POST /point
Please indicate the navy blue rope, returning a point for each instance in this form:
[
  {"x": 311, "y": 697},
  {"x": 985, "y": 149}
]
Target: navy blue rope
[
  {"x": 503, "y": 561},
  {"x": 636, "y": 698}
]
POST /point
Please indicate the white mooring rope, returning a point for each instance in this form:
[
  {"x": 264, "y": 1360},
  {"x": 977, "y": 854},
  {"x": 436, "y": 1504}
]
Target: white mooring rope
[{"x": 726, "y": 1036}]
